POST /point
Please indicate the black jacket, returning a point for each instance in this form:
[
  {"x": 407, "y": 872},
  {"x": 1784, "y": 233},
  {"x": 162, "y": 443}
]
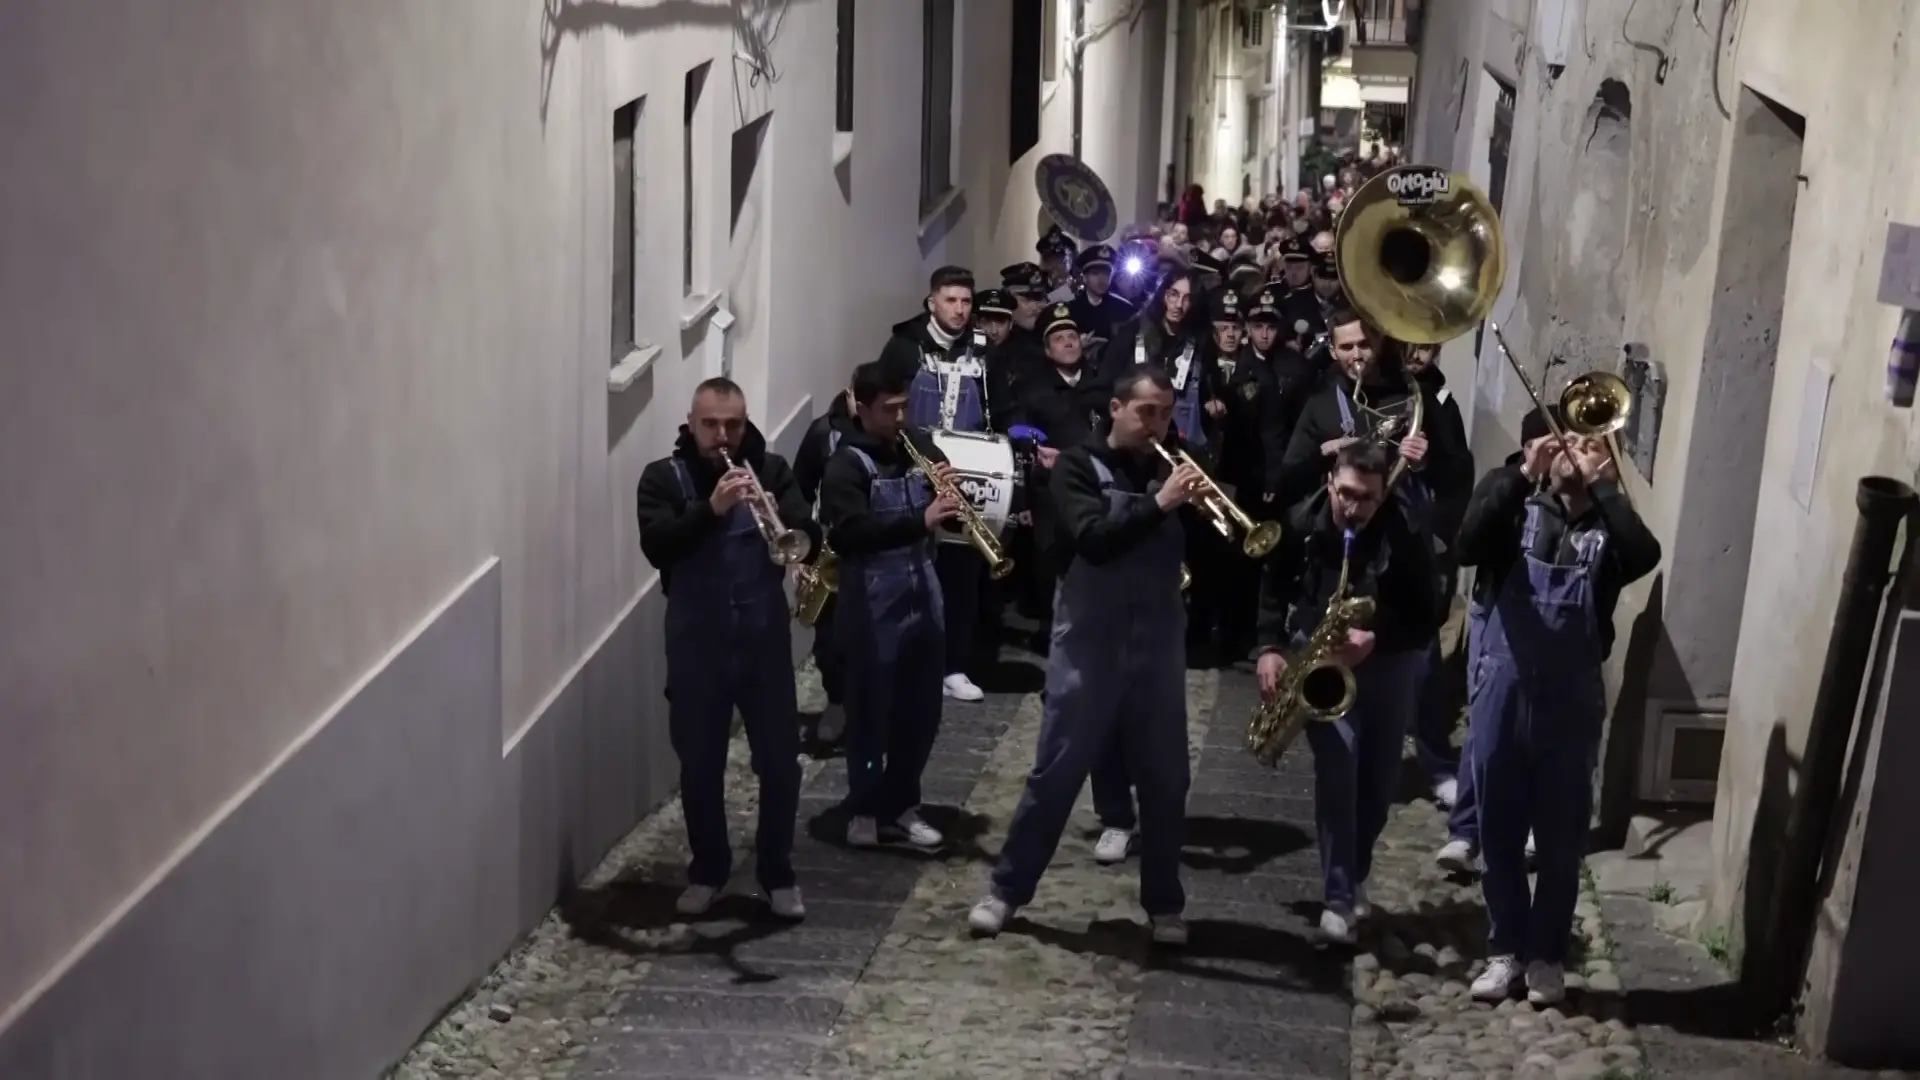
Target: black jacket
[
  {"x": 1067, "y": 413},
  {"x": 1392, "y": 563},
  {"x": 1102, "y": 319},
  {"x": 1250, "y": 434},
  {"x": 810, "y": 461},
  {"x": 1453, "y": 486},
  {"x": 846, "y": 503},
  {"x": 1086, "y": 531},
  {"x": 1161, "y": 348},
  {"x": 672, "y": 526},
  {"x": 1297, "y": 379},
  {"x": 906, "y": 351},
  {"x": 1303, "y": 470},
  {"x": 1494, "y": 523}
]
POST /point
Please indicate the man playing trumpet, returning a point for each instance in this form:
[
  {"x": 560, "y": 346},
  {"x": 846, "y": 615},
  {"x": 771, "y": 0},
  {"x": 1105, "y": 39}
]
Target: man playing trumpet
[
  {"x": 703, "y": 525},
  {"x": 1353, "y": 532}
]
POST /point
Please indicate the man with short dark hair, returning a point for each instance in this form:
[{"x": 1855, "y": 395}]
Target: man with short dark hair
[
  {"x": 880, "y": 515},
  {"x": 945, "y": 357},
  {"x": 1117, "y": 666},
  {"x": 1352, "y": 530},
  {"x": 1096, "y": 309},
  {"x": 728, "y": 634}
]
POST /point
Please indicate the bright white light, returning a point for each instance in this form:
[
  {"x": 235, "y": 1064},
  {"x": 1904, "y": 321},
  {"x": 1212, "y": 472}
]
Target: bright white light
[{"x": 1134, "y": 265}]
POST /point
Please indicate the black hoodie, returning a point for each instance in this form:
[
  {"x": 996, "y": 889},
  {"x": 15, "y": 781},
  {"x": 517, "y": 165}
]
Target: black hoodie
[
  {"x": 1391, "y": 563},
  {"x": 1086, "y": 530},
  {"x": 846, "y": 494},
  {"x": 1448, "y": 470},
  {"x": 810, "y": 462},
  {"x": 671, "y": 526}
]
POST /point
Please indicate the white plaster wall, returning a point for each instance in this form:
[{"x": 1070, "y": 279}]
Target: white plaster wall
[
  {"x": 307, "y": 316},
  {"x": 1859, "y": 163}
]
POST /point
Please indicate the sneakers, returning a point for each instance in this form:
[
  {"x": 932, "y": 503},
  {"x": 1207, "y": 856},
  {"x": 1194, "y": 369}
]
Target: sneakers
[
  {"x": 696, "y": 900},
  {"x": 1112, "y": 846},
  {"x": 988, "y": 916},
  {"x": 1446, "y": 793},
  {"x": 1546, "y": 983},
  {"x": 960, "y": 688},
  {"x": 863, "y": 832},
  {"x": 1168, "y": 930},
  {"x": 1337, "y": 926},
  {"x": 1457, "y": 856},
  {"x": 1496, "y": 983},
  {"x": 786, "y": 903},
  {"x": 919, "y": 833},
  {"x": 1362, "y": 907},
  {"x": 833, "y": 724}
]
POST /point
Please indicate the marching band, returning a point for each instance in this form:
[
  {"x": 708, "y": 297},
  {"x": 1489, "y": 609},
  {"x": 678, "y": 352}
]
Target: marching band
[{"x": 1259, "y": 467}]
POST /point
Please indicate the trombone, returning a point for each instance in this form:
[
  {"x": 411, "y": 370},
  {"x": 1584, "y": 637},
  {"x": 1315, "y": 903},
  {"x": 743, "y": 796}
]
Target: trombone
[
  {"x": 1595, "y": 404},
  {"x": 784, "y": 546},
  {"x": 972, "y": 525},
  {"x": 1220, "y": 511}
]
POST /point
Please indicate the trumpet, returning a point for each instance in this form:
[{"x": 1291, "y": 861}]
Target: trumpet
[
  {"x": 814, "y": 585},
  {"x": 1220, "y": 511},
  {"x": 784, "y": 546},
  {"x": 971, "y": 524}
]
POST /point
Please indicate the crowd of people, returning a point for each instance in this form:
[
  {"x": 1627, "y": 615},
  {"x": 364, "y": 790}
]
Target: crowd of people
[{"x": 1209, "y": 354}]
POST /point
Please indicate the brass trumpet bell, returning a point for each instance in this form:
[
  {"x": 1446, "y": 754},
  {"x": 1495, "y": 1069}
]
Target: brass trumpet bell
[
  {"x": 1596, "y": 405},
  {"x": 1423, "y": 269}
]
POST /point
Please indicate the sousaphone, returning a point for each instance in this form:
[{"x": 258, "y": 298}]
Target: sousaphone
[{"x": 1076, "y": 198}]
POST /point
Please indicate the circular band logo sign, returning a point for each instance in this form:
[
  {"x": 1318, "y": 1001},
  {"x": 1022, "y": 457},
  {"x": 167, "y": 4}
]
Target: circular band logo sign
[{"x": 1076, "y": 198}]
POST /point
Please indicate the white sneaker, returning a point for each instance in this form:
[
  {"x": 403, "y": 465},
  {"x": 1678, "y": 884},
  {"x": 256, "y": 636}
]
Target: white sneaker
[
  {"x": 1546, "y": 983},
  {"x": 1337, "y": 926},
  {"x": 1457, "y": 856},
  {"x": 988, "y": 916},
  {"x": 1496, "y": 983},
  {"x": 1362, "y": 907},
  {"x": 919, "y": 833},
  {"x": 1169, "y": 930},
  {"x": 833, "y": 724},
  {"x": 696, "y": 900},
  {"x": 863, "y": 832},
  {"x": 1113, "y": 845},
  {"x": 1446, "y": 793},
  {"x": 786, "y": 903},
  {"x": 961, "y": 688}
]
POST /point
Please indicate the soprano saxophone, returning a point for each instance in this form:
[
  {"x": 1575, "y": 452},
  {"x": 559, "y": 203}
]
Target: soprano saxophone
[
  {"x": 1314, "y": 687},
  {"x": 972, "y": 525}
]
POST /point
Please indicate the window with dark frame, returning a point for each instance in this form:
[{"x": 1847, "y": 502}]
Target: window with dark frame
[
  {"x": 1026, "y": 74},
  {"x": 936, "y": 104},
  {"x": 843, "y": 70},
  {"x": 629, "y": 187},
  {"x": 696, "y": 82}
]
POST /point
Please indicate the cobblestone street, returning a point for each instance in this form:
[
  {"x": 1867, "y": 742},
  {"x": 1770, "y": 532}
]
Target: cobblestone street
[{"x": 883, "y": 980}]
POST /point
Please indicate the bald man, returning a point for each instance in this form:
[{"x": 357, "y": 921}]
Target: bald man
[{"x": 729, "y": 635}]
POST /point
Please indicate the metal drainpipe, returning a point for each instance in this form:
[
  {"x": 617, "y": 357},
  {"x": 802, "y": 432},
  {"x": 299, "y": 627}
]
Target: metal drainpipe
[{"x": 1079, "y": 73}]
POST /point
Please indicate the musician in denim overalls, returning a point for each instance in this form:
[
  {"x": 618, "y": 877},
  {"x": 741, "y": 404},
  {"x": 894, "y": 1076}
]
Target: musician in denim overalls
[
  {"x": 728, "y": 636},
  {"x": 944, "y": 356},
  {"x": 1116, "y": 666},
  {"x": 1549, "y": 567},
  {"x": 880, "y": 515}
]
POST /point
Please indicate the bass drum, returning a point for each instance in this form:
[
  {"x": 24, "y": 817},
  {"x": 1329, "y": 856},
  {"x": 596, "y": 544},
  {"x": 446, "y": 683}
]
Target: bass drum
[{"x": 986, "y": 476}]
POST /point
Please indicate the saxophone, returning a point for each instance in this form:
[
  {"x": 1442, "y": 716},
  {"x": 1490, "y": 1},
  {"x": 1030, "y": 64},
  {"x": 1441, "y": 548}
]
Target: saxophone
[
  {"x": 972, "y": 525},
  {"x": 1314, "y": 687},
  {"x": 814, "y": 585}
]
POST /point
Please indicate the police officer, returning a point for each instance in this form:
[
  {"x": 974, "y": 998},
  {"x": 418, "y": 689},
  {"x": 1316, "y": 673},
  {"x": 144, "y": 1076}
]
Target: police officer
[
  {"x": 1304, "y": 316},
  {"x": 946, "y": 356},
  {"x": 1165, "y": 335},
  {"x": 1057, "y": 250},
  {"x": 1116, "y": 662},
  {"x": 1029, "y": 287},
  {"x": 1550, "y": 565},
  {"x": 1097, "y": 311},
  {"x": 880, "y": 516},
  {"x": 1251, "y": 441},
  {"x": 1294, "y": 377},
  {"x": 729, "y": 636},
  {"x": 823, "y": 437}
]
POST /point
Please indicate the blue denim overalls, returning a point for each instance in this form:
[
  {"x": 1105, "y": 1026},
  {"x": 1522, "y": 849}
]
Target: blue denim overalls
[
  {"x": 948, "y": 393},
  {"x": 1117, "y": 666},
  {"x": 1536, "y": 703},
  {"x": 888, "y": 625},
  {"x": 826, "y": 653},
  {"x": 730, "y": 645}
]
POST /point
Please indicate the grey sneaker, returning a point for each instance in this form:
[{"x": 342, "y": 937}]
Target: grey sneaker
[
  {"x": 696, "y": 900},
  {"x": 919, "y": 833},
  {"x": 989, "y": 916},
  {"x": 1112, "y": 846},
  {"x": 863, "y": 832},
  {"x": 786, "y": 903},
  {"x": 1169, "y": 930}
]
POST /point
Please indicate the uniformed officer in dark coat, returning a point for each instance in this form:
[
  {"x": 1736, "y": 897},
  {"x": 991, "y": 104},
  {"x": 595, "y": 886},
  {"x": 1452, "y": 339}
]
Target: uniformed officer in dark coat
[
  {"x": 1305, "y": 317},
  {"x": 1028, "y": 285},
  {"x": 1007, "y": 354},
  {"x": 1057, "y": 251},
  {"x": 1096, "y": 309}
]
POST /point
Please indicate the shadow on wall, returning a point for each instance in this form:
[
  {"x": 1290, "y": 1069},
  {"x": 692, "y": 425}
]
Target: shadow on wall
[
  {"x": 561, "y": 19},
  {"x": 1647, "y": 652}
]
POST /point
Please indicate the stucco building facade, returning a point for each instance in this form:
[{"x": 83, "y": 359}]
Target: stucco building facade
[
  {"x": 328, "y": 654},
  {"x": 1698, "y": 196}
]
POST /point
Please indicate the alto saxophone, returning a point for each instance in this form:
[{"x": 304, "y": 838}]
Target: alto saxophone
[
  {"x": 814, "y": 585},
  {"x": 1314, "y": 687},
  {"x": 972, "y": 525}
]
